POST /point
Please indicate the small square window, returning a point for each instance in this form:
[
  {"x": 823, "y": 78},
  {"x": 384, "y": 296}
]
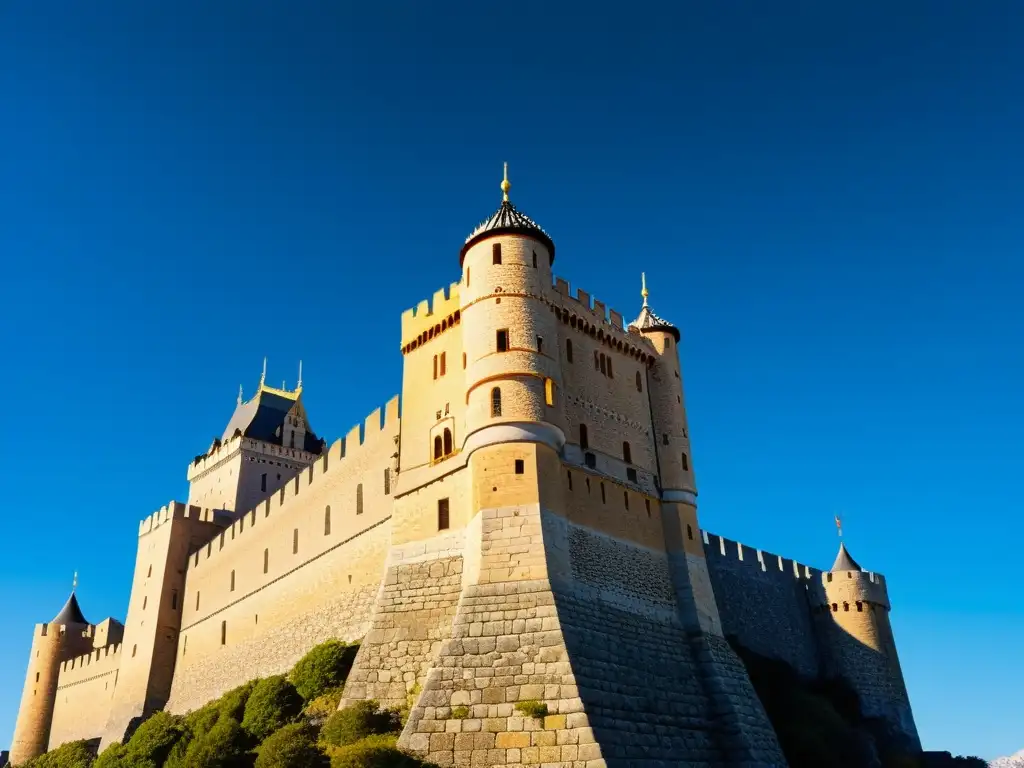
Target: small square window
[
  {"x": 520, "y": 466},
  {"x": 496, "y": 253},
  {"x": 442, "y": 514},
  {"x": 631, "y": 474},
  {"x": 502, "y": 340}
]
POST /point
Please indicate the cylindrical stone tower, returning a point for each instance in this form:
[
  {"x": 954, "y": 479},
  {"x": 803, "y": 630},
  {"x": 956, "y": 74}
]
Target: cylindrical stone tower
[
  {"x": 859, "y": 646},
  {"x": 64, "y": 638},
  {"x": 511, "y": 336}
]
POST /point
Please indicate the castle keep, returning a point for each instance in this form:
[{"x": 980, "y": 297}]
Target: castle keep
[{"x": 525, "y": 529}]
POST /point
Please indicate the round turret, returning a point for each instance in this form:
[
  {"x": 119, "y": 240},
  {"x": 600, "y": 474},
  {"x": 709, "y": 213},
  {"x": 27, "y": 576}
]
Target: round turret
[
  {"x": 63, "y": 638},
  {"x": 668, "y": 406},
  {"x": 511, "y": 336},
  {"x": 858, "y": 643}
]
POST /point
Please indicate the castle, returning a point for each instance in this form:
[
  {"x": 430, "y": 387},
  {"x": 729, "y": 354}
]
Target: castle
[{"x": 526, "y": 529}]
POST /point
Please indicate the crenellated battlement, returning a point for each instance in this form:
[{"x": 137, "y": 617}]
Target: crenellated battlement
[
  {"x": 592, "y": 306},
  {"x": 606, "y": 325},
  {"x": 766, "y": 562},
  {"x": 342, "y": 454},
  {"x": 852, "y": 587},
  {"x": 431, "y": 316},
  {"x": 176, "y": 509},
  {"x": 92, "y": 659}
]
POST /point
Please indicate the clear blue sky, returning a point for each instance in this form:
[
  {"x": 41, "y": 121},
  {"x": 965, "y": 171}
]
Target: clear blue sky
[{"x": 827, "y": 201}]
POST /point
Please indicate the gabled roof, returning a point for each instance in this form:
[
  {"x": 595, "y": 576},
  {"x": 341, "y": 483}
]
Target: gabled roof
[
  {"x": 648, "y": 321},
  {"x": 844, "y": 562},
  {"x": 71, "y": 613},
  {"x": 262, "y": 418}
]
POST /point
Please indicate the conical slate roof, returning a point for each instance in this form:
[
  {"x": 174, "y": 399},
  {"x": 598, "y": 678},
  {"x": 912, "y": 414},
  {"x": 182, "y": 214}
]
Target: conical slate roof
[
  {"x": 648, "y": 321},
  {"x": 844, "y": 562},
  {"x": 508, "y": 220},
  {"x": 71, "y": 613}
]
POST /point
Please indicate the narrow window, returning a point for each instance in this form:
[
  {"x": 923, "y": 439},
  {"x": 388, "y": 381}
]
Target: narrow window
[
  {"x": 627, "y": 454},
  {"x": 463, "y": 361},
  {"x": 689, "y": 532},
  {"x": 587, "y": 479},
  {"x": 647, "y": 504},
  {"x": 503, "y": 340},
  {"x": 668, "y": 343},
  {"x": 144, "y": 601},
  {"x": 860, "y": 607},
  {"x": 590, "y": 460},
  {"x": 569, "y": 476},
  {"x": 359, "y": 499},
  {"x": 611, "y": 373},
  {"x": 686, "y": 463},
  {"x": 540, "y": 345},
  {"x": 435, "y": 366},
  {"x": 664, "y": 438},
  {"x": 266, "y": 560},
  {"x": 496, "y": 253},
  {"x": 438, "y": 447},
  {"x": 232, "y": 581},
  {"x": 387, "y": 481},
  {"x": 603, "y": 499},
  {"x": 291, "y": 439},
  {"x": 174, "y": 600},
  {"x": 442, "y": 514},
  {"x": 496, "y": 402},
  {"x": 443, "y": 366},
  {"x": 447, "y": 441},
  {"x": 584, "y": 442},
  {"x": 135, "y": 648},
  {"x": 520, "y": 466},
  {"x": 639, "y": 383},
  {"x": 263, "y": 481},
  {"x": 223, "y": 633},
  {"x": 327, "y": 521},
  {"x": 197, "y": 600},
  {"x": 534, "y": 259},
  {"x": 568, "y": 350},
  {"x": 149, "y": 572},
  {"x": 467, "y": 277},
  {"x": 631, "y": 474},
  {"x": 549, "y": 391},
  {"x": 625, "y": 498},
  {"x": 604, "y": 369},
  {"x": 37, "y": 677},
  {"x": 295, "y": 541}
]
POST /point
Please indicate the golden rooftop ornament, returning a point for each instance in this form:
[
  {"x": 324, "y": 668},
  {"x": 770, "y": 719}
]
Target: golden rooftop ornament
[
  {"x": 506, "y": 185},
  {"x": 643, "y": 286}
]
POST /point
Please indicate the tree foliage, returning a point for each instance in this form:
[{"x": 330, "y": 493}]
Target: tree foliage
[
  {"x": 326, "y": 666},
  {"x": 357, "y": 721},
  {"x": 74, "y": 754},
  {"x": 274, "y": 703},
  {"x": 292, "y": 746}
]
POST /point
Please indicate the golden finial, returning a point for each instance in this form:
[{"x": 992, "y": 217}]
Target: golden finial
[
  {"x": 506, "y": 185},
  {"x": 74, "y": 582},
  {"x": 643, "y": 286}
]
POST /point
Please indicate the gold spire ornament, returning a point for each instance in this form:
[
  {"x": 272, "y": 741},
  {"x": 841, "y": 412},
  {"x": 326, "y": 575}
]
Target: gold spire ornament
[
  {"x": 643, "y": 287},
  {"x": 506, "y": 185}
]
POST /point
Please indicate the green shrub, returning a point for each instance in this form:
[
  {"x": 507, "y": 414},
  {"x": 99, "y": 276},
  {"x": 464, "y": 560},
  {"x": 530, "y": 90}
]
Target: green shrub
[
  {"x": 325, "y": 667},
  {"x": 232, "y": 703},
  {"x": 460, "y": 713},
  {"x": 290, "y": 747},
  {"x": 220, "y": 747},
  {"x": 74, "y": 754},
  {"x": 324, "y": 705},
  {"x": 273, "y": 704},
  {"x": 111, "y": 757},
  {"x": 379, "y": 751},
  {"x": 532, "y": 708},
  {"x": 154, "y": 739},
  {"x": 355, "y": 722}
]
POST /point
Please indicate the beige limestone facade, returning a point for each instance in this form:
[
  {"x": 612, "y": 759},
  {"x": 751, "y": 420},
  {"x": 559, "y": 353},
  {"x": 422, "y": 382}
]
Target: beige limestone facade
[{"x": 525, "y": 529}]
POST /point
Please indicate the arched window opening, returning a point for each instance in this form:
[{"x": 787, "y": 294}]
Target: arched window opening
[
  {"x": 549, "y": 391},
  {"x": 584, "y": 442},
  {"x": 496, "y": 402},
  {"x": 686, "y": 463},
  {"x": 639, "y": 383},
  {"x": 627, "y": 454},
  {"x": 496, "y": 253},
  {"x": 568, "y": 350},
  {"x": 359, "y": 499},
  {"x": 438, "y": 447},
  {"x": 447, "y": 442},
  {"x": 327, "y": 521}
]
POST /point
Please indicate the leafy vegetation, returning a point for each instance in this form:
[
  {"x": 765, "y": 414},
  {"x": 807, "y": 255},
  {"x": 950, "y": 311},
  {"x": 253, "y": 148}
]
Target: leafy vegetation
[
  {"x": 532, "y": 708},
  {"x": 293, "y": 746},
  {"x": 377, "y": 751},
  {"x": 324, "y": 705},
  {"x": 325, "y": 667},
  {"x": 74, "y": 754},
  {"x": 274, "y": 703},
  {"x": 356, "y": 722}
]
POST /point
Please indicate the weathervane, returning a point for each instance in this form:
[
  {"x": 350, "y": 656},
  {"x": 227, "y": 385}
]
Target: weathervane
[{"x": 839, "y": 526}]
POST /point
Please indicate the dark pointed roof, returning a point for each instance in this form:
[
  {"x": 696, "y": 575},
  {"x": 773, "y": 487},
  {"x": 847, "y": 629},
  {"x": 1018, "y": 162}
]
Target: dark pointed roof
[
  {"x": 262, "y": 418},
  {"x": 70, "y": 613},
  {"x": 844, "y": 562},
  {"x": 507, "y": 220},
  {"x": 648, "y": 321}
]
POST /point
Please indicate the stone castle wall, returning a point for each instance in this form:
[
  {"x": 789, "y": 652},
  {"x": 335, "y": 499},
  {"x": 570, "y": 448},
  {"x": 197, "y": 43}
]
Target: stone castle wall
[
  {"x": 85, "y": 689},
  {"x": 763, "y": 602}
]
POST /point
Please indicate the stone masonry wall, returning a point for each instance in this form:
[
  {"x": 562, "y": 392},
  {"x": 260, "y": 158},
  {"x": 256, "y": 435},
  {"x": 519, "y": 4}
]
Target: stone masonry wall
[
  {"x": 764, "y": 606},
  {"x": 84, "y": 691}
]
